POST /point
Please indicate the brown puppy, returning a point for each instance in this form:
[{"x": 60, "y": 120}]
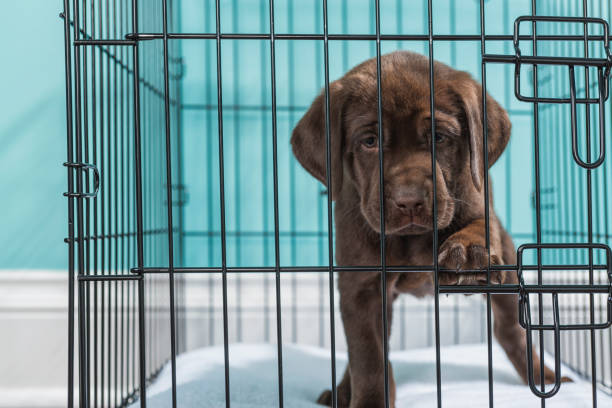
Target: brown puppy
[{"x": 408, "y": 202}]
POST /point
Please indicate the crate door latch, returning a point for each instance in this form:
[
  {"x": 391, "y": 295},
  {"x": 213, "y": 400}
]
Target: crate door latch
[
  {"x": 85, "y": 168},
  {"x": 554, "y": 290}
]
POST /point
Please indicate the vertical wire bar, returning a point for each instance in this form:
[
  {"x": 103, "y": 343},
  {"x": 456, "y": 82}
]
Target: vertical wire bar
[
  {"x": 133, "y": 243},
  {"x": 579, "y": 235},
  {"x": 115, "y": 156},
  {"x": 156, "y": 136},
  {"x": 320, "y": 207},
  {"x": 209, "y": 192},
  {"x": 69, "y": 131},
  {"x": 139, "y": 215},
  {"x": 485, "y": 154},
  {"x": 237, "y": 162},
  {"x": 109, "y": 172},
  {"x": 128, "y": 302},
  {"x": 124, "y": 231},
  {"x": 102, "y": 196},
  {"x": 292, "y": 168},
  {"x": 79, "y": 186},
  {"x": 264, "y": 161},
  {"x": 156, "y": 220},
  {"x": 292, "y": 165},
  {"x": 94, "y": 115},
  {"x": 279, "y": 335},
  {"x": 87, "y": 205},
  {"x": 558, "y": 154},
  {"x": 402, "y": 309},
  {"x": 169, "y": 201},
  {"x": 148, "y": 212},
  {"x": 381, "y": 191},
  {"x": 572, "y": 227},
  {"x": 148, "y": 126},
  {"x": 222, "y": 202},
  {"x": 598, "y": 216},
  {"x": 590, "y": 205},
  {"x": 435, "y": 203},
  {"x": 330, "y": 226},
  {"x": 571, "y": 217},
  {"x": 508, "y": 152},
  {"x": 453, "y": 52},
  {"x": 181, "y": 334},
  {"x": 538, "y": 215},
  {"x": 123, "y": 89},
  {"x": 560, "y": 173}
]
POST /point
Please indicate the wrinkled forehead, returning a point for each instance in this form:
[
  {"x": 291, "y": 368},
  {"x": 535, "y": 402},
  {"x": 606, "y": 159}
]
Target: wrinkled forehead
[{"x": 404, "y": 102}]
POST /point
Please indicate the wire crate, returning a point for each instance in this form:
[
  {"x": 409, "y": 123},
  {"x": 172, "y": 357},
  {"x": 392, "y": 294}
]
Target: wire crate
[{"x": 190, "y": 224}]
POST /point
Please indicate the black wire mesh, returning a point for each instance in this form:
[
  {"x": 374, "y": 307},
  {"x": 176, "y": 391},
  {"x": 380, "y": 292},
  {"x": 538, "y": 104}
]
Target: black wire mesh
[{"x": 127, "y": 194}]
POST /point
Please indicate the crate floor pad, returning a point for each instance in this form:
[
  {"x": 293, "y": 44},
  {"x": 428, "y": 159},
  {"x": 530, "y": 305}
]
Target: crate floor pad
[{"x": 306, "y": 372}]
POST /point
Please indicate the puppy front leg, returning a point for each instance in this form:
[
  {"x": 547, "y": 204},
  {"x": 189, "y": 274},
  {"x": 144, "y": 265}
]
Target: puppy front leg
[{"x": 361, "y": 308}]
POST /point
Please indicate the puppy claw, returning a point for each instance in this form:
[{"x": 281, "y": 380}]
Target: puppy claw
[{"x": 454, "y": 254}]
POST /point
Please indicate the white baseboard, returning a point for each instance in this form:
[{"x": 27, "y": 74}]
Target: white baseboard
[{"x": 33, "y": 344}]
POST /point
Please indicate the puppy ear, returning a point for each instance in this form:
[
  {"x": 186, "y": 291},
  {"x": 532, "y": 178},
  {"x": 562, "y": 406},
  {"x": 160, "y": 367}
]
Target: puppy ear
[
  {"x": 309, "y": 139},
  {"x": 498, "y": 125}
]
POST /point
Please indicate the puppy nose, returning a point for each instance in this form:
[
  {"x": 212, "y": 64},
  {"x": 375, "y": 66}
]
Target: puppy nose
[{"x": 409, "y": 199}]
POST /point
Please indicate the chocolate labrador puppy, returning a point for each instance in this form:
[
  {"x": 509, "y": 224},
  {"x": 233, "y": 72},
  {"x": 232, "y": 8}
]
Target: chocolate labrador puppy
[{"x": 408, "y": 202}]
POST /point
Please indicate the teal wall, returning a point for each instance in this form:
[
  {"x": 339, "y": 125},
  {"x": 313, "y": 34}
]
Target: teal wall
[{"x": 32, "y": 136}]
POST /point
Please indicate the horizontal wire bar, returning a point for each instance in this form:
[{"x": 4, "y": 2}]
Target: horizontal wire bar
[
  {"x": 105, "y": 42},
  {"x": 259, "y": 234},
  {"x": 583, "y": 326},
  {"x": 528, "y": 59},
  {"x": 342, "y": 37},
  {"x": 247, "y": 233},
  {"x": 508, "y": 289},
  {"x": 401, "y": 269},
  {"x": 280, "y": 108},
  {"x": 109, "y": 277},
  {"x": 252, "y": 233},
  {"x": 119, "y": 235},
  {"x": 257, "y": 108}
]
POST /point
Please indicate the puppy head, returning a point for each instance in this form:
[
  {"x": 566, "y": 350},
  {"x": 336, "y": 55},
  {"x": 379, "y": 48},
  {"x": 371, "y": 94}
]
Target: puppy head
[{"x": 406, "y": 118}]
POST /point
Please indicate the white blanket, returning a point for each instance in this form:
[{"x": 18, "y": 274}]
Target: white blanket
[{"x": 306, "y": 372}]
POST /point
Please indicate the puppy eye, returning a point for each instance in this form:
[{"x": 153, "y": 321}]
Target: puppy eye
[
  {"x": 370, "y": 141},
  {"x": 439, "y": 137}
]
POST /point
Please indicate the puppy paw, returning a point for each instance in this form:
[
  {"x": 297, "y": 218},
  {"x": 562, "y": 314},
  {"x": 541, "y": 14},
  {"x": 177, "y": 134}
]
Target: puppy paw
[
  {"x": 459, "y": 254},
  {"x": 549, "y": 376},
  {"x": 325, "y": 398}
]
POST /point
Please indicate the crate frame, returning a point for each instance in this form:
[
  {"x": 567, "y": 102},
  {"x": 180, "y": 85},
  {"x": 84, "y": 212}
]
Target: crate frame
[{"x": 79, "y": 197}]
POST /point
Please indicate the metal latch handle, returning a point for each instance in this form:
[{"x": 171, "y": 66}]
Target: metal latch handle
[
  {"x": 526, "y": 322},
  {"x": 96, "y": 178},
  {"x": 602, "y": 138}
]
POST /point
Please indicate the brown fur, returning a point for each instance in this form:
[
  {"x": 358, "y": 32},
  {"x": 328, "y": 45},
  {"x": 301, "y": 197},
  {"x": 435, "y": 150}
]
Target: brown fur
[{"x": 408, "y": 201}]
